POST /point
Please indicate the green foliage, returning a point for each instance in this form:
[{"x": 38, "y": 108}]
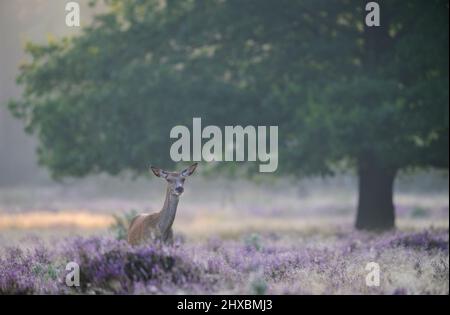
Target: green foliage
[
  {"x": 122, "y": 223},
  {"x": 419, "y": 212},
  {"x": 253, "y": 241},
  {"x": 258, "y": 286},
  {"x": 106, "y": 100}
]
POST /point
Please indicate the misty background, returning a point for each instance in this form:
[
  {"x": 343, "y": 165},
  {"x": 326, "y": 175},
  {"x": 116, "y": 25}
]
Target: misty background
[
  {"x": 22, "y": 21},
  {"x": 24, "y": 186}
]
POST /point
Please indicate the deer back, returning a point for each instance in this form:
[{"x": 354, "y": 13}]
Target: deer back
[{"x": 141, "y": 227}]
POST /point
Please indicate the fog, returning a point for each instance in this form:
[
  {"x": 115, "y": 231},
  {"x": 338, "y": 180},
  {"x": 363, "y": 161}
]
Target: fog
[
  {"x": 22, "y": 21},
  {"x": 36, "y": 20}
]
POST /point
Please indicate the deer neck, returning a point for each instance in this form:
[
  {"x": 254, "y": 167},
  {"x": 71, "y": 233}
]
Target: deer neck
[{"x": 168, "y": 212}]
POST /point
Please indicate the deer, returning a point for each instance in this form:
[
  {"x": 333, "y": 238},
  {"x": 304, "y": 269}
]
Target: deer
[{"x": 158, "y": 226}]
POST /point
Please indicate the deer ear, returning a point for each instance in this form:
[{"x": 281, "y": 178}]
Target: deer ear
[
  {"x": 158, "y": 172},
  {"x": 189, "y": 171}
]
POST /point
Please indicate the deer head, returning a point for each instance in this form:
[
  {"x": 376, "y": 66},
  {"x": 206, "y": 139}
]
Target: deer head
[{"x": 175, "y": 180}]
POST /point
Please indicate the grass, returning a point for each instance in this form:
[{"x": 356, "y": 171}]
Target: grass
[{"x": 46, "y": 220}]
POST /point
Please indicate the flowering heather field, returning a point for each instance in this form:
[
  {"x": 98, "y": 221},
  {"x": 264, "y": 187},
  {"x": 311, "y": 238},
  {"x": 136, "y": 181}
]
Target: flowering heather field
[
  {"x": 410, "y": 263},
  {"x": 288, "y": 239}
]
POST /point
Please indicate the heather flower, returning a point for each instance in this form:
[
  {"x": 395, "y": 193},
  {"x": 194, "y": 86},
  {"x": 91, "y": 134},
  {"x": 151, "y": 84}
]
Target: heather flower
[{"x": 410, "y": 262}]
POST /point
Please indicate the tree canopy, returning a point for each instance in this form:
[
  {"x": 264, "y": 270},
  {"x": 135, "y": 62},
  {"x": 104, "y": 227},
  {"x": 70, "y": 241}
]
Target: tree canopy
[{"x": 339, "y": 91}]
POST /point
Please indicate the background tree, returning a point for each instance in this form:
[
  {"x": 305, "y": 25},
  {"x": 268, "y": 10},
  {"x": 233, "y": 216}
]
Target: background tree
[{"x": 375, "y": 99}]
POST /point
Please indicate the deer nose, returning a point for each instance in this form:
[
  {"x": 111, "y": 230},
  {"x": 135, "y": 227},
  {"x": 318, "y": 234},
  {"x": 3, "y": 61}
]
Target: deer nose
[{"x": 179, "y": 189}]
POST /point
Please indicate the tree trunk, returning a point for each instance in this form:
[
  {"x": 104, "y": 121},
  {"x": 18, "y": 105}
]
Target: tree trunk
[{"x": 375, "y": 201}]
